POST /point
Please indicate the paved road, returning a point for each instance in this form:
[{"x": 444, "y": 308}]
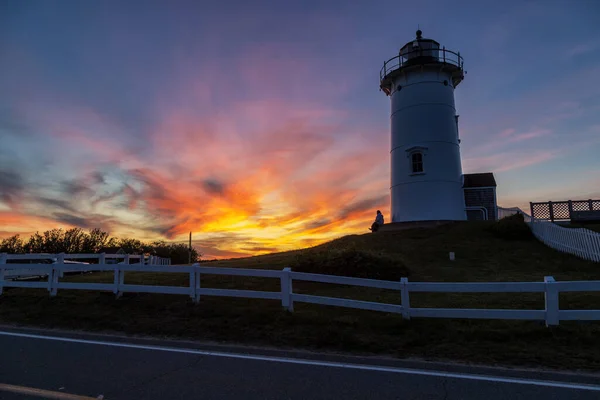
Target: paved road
[{"x": 124, "y": 368}]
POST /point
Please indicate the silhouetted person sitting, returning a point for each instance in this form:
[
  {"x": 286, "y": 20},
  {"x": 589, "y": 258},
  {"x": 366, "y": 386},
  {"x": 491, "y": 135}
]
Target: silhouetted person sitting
[{"x": 378, "y": 222}]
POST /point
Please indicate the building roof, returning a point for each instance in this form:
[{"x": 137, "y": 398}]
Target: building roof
[{"x": 484, "y": 179}]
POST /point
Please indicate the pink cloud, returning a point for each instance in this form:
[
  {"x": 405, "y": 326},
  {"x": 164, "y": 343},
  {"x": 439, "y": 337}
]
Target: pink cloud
[
  {"x": 506, "y": 139},
  {"x": 582, "y": 48},
  {"x": 507, "y": 132},
  {"x": 529, "y": 135},
  {"x": 507, "y": 161}
]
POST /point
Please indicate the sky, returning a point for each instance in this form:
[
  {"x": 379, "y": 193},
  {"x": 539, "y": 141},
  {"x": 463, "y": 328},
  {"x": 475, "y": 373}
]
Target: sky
[{"x": 259, "y": 126}]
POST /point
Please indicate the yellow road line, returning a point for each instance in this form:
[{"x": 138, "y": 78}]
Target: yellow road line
[{"x": 46, "y": 394}]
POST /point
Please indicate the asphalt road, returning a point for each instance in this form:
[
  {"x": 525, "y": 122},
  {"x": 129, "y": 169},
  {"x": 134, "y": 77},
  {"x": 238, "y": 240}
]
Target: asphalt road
[{"x": 117, "y": 368}]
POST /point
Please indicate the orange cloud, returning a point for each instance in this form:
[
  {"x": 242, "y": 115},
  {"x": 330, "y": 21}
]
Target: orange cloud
[
  {"x": 18, "y": 223},
  {"x": 274, "y": 170}
]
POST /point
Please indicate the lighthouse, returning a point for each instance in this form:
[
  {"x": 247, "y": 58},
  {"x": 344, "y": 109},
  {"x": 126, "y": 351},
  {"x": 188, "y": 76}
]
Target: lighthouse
[{"x": 426, "y": 171}]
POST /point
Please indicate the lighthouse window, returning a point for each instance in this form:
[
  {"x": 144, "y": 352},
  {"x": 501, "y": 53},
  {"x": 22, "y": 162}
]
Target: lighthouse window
[{"x": 417, "y": 162}]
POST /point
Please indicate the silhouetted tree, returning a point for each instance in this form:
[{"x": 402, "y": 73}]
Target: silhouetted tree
[
  {"x": 54, "y": 241},
  {"x": 177, "y": 252},
  {"x": 35, "y": 244},
  {"x": 75, "y": 240},
  {"x": 95, "y": 240},
  {"x": 133, "y": 246},
  {"x": 12, "y": 245}
]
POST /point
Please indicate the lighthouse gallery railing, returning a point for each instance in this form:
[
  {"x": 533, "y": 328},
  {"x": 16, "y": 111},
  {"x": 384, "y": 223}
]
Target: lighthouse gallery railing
[{"x": 441, "y": 55}]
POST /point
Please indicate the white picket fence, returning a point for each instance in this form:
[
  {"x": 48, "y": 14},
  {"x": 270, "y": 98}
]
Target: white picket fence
[
  {"x": 14, "y": 272},
  {"x": 551, "y": 314},
  {"x": 581, "y": 242}
]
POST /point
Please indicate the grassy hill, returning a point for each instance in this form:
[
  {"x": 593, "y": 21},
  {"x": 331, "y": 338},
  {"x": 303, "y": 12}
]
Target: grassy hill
[{"x": 485, "y": 252}]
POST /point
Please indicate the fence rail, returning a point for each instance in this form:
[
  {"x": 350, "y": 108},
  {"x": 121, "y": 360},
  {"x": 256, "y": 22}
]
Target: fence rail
[
  {"x": 32, "y": 270},
  {"x": 551, "y": 314},
  {"x": 580, "y": 242},
  {"x": 101, "y": 257}
]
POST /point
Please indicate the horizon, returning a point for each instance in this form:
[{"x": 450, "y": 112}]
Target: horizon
[{"x": 265, "y": 130}]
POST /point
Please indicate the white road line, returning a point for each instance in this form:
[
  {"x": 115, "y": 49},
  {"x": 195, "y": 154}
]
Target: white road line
[
  {"x": 47, "y": 394},
  {"x": 298, "y": 361}
]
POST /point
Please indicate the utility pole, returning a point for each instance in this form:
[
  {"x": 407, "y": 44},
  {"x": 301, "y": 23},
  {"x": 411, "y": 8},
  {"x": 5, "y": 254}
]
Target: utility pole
[{"x": 190, "y": 250}]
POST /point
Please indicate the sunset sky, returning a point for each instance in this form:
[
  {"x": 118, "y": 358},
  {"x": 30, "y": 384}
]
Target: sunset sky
[{"x": 259, "y": 126}]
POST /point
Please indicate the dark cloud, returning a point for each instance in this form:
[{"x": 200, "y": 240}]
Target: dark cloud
[
  {"x": 98, "y": 177},
  {"x": 106, "y": 197},
  {"x": 223, "y": 239},
  {"x": 58, "y": 203},
  {"x": 153, "y": 188},
  {"x": 259, "y": 248},
  {"x": 88, "y": 222},
  {"x": 213, "y": 186},
  {"x": 317, "y": 224},
  {"x": 209, "y": 253},
  {"x": 11, "y": 186},
  {"x": 165, "y": 229},
  {"x": 73, "y": 220},
  {"x": 74, "y": 188},
  {"x": 362, "y": 205}
]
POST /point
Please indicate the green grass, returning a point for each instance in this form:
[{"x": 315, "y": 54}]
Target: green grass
[{"x": 485, "y": 252}]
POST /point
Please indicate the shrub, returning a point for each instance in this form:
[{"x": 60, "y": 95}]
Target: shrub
[{"x": 512, "y": 228}]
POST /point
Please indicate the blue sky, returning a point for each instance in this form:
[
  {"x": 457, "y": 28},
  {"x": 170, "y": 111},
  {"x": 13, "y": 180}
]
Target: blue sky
[{"x": 259, "y": 125}]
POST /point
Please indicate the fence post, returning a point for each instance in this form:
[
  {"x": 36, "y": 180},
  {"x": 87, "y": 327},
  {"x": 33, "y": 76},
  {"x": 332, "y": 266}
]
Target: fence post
[
  {"x": 197, "y": 283},
  {"x": 119, "y": 280},
  {"x": 531, "y": 208},
  {"x": 116, "y": 281},
  {"x": 570, "y": 209},
  {"x": 102, "y": 259},
  {"x": 405, "y": 299},
  {"x": 591, "y": 204},
  {"x": 286, "y": 290},
  {"x": 120, "y": 277},
  {"x": 551, "y": 300},
  {"x": 193, "y": 283},
  {"x": 3, "y": 258},
  {"x": 56, "y": 272},
  {"x": 50, "y": 277},
  {"x": 551, "y": 209}
]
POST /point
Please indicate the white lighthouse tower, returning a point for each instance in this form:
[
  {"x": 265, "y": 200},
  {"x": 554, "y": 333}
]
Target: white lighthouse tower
[{"x": 426, "y": 169}]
